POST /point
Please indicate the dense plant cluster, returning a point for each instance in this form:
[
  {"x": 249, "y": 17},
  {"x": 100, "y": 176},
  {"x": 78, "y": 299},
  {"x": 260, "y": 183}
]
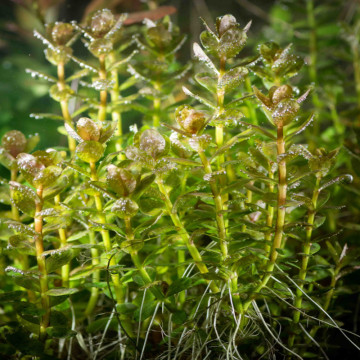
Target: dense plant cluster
[{"x": 197, "y": 235}]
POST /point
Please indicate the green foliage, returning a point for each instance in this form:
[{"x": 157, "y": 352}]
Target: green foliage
[{"x": 217, "y": 228}]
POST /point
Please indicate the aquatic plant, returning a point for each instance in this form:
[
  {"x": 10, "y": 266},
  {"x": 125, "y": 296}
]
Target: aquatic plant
[{"x": 201, "y": 235}]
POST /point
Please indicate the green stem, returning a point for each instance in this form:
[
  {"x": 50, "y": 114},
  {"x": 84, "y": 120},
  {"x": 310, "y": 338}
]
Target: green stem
[
  {"x": 157, "y": 106},
  {"x": 103, "y": 93},
  {"x": 116, "y": 115},
  {"x": 328, "y": 297},
  {"x": 280, "y": 219},
  {"x": 249, "y": 104},
  {"x": 312, "y": 65},
  {"x": 64, "y": 105},
  {"x": 23, "y": 258},
  {"x": 138, "y": 264},
  {"x": 305, "y": 257},
  {"x": 220, "y": 95},
  {"x": 185, "y": 236},
  {"x": 95, "y": 276},
  {"x": 65, "y": 269},
  {"x": 269, "y": 217},
  {"x": 218, "y": 205},
  {"x": 106, "y": 238},
  {"x": 39, "y": 245}
]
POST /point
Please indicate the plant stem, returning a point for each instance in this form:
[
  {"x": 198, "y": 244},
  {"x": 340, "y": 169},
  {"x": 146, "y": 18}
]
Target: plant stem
[
  {"x": 280, "y": 218},
  {"x": 218, "y": 205},
  {"x": 312, "y": 64},
  {"x": 328, "y": 297},
  {"x": 95, "y": 275},
  {"x": 39, "y": 245},
  {"x": 103, "y": 93},
  {"x": 249, "y": 104},
  {"x": 270, "y": 216},
  {"x": 116, "y": 115},
  {"x": 157, "y": 106},
  {"x": 305, "y": 256},
  {"x": 185, "y": 237},
  {"x": 65, "y": 269},
  {"x": 64, "y": 105},
  {"x": 138, "y": 264},
  {"x": 106, "y": 238},
  {"x": 23, "y": 258},
  {"x": 220, "y": 94}
]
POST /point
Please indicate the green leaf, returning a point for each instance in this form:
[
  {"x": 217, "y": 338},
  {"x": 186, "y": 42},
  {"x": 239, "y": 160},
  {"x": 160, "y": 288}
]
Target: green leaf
[
  {"x": 40, "y": 116},
  {"x": 151, "y": 205},
  {"x": 232, "y": 42},
  {"x": 60, "y": 332},
  {"x": 338, "y": 180},
  {"x": 78, "y": 235},
  {"x": 100, "y": 324},
  {"x": 199, "y": 98},
  {"x": 145, "y": 311},
  {"x": 179, "y": 285},
  {"x": 10, "y": 296},
  {"x": 24, "y": 198},
  {"x": 233, "y": 78},
  {"x": 210, "y": 42},
  {"x": 22, "y": 244},
  {"x": 259, "y": 157},
  {"x": 207, "y": 80},
  {"x": 20, "y": 227},
  {"x": 6, "y": 159},
  {"x": 235, "y": 139},
  {"x": 29, "y": 282},
  {"x": 126, "y": 308},
  {"x": 61, "y": 291},
  {"x": 258, "y": 129},
  {"x": 314, "y": 248},
  {"x": 201, "y": 56},
  {"x": 185, "y": 162},
  {"x": 89, "y": 151},
  {"x": 144, "y": 183},
  {"x": 57, "y": 258},
  {"x": 228, "y": 118},
  {"x": 47, "y": 176}
]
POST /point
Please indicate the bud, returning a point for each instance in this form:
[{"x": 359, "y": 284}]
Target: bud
[
  {"x": 125, "y": 208},
  {"x": 154, "y": 144},
  {"x": 14, "y": 142},
  {"x": 101, "y": 23},
  {"x": 269, "y": 51},
  {"x": 29, "y": 166},
  {"x": 87, "y": 129},
  {"x": 40, "y": 168},
  {"x": 224, "y": 23},
  {"x": 61, "y": 33},
  {"x": 278, "y": 93},
  {"x": 191, "y": 120},
  {"x": 159, "y": 36}
]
